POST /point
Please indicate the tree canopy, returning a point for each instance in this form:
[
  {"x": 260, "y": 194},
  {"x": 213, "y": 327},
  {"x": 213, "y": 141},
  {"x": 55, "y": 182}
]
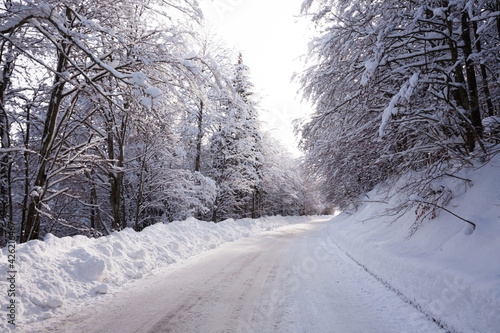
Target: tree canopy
[{"x": 398, "y": 87}]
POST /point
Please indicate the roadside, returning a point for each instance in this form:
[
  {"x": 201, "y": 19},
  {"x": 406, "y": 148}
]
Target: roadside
[
  {"x": 449, "y": 272},
  {"x": 58, "y": 276},
  {"x": 292, "y": 279}
]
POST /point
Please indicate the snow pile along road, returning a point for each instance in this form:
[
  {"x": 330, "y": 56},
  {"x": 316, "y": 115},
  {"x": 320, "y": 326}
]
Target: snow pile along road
[
  {"x": 60, "y": 271},
  {"x": 453, "y": 276},
  {"x": 289, "y": 280}
]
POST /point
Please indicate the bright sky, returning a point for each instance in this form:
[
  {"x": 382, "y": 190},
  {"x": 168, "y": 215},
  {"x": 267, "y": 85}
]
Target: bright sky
[{"x": 272, "y": 39}]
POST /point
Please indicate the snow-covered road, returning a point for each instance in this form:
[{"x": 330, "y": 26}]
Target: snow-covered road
[{"x": 293, "y": 279}]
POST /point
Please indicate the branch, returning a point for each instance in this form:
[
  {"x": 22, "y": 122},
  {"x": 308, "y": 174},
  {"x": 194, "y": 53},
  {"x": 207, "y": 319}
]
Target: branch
[{"x": 448, "y": 211}]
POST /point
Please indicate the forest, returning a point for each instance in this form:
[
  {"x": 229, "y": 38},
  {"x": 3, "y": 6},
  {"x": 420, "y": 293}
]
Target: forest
[
  {"x": 117, "y": 114},
  {"x": 407, "y": 93},
  {"x": 141, "y": 176}
]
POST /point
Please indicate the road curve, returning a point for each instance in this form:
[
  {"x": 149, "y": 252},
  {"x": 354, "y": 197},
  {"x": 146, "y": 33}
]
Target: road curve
[{"x": 293, "y": 279}]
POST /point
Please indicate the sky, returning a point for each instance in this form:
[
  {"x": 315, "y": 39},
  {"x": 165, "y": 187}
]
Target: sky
[{"x": 273, "y": 41}]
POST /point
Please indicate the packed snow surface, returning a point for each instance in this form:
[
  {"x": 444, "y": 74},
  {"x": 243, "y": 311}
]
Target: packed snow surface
[
  {"x": 57, "y": 273},
  {"x": 292, "y": 279}
]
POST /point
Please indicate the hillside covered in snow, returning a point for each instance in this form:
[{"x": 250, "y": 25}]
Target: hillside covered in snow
[{"x": 446, "y": 269}]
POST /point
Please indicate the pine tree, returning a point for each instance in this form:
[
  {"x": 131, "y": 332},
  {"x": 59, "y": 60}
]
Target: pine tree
[{"x": 235, "y": 150}]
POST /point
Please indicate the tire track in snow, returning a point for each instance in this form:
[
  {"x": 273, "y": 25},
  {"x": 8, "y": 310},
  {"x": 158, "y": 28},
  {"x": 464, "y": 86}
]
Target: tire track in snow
[{"x": 279, "y": 281}]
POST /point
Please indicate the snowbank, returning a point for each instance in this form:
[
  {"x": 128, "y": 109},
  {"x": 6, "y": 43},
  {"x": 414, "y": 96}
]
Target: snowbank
[
  {"x": 60, "y": 271},
  {"x": 451, "y": 275}
]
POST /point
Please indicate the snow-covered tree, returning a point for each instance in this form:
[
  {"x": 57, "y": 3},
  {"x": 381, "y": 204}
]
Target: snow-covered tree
[
  {"x": 85, "y": 64},
  {"x": 235, "y": 149},
  {"x": 395, "y": 85},
  {"x": 119, "y": 114},
  {"x": 284, "y": 189}
]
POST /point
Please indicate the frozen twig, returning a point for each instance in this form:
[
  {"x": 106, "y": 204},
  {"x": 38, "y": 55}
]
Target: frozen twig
[{"x": 448, "y": 211}]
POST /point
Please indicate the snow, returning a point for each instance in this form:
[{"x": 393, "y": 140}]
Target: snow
[
  {"x": 313, "y": 273},
  {"x": 138, "y": 78},
  {"x": 439, "y": 12},
  {"x": 450, "y": 271},
  {"x": 370, "y": 68},
  {"x": 292, "y": 279},
  {"x": 146, "y": 102},
  {"x": 153, "y": 92},
  {"x": 187, "y": 62},
  {"x": 491, "y": 124},
  {"x": 21, "y": 13},
  {"x": 56, "y": 273},
  {"x": 405, "y": 92},
  {"x": 191, "y": 55}
]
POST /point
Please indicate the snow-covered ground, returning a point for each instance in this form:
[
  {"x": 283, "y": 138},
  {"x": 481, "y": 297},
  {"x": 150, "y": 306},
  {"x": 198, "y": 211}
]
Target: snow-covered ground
[
  {"x": 451, "y": 275},
  {"x": 57, "y": 274},
  {"x": 292, "y": 279},
  {"x": 350, "y": 273}
]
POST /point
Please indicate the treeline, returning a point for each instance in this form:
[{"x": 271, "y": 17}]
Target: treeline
[
  {"x": 401, "y": 88},
  {"x": 119, "y": 114}
]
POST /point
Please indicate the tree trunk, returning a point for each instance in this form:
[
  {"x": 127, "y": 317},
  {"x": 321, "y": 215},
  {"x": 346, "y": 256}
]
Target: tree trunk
[
  {"x": 120, "y": 165},
  {"x": 498, "y": 19},
  {"x": 199, "y": 139},
  {"x": 139, "y": 199},
  {"x": 116, "y": 174},
  {"x": 215, "y": 210},
  {"x": 114, "y": 193},
  {"x": 475, "y": 114},
  {"x": 255, "y": 203},
  {"x": 32, "y": 226},
  {"x": 460, "y": 93},
  {"x": 5, "y": 162},
  {"x": 484, "y": 75},
  {"x": 26, "y": 170},
  {"x": 95, "y": 214}
]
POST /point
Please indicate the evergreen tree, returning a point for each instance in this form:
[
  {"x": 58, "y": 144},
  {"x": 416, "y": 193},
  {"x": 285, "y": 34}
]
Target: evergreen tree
[{"x": 235, "y": 150}]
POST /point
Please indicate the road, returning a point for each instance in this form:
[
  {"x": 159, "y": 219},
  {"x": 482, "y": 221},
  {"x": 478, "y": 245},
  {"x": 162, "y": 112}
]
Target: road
[{"x": 293, "y": 279}]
